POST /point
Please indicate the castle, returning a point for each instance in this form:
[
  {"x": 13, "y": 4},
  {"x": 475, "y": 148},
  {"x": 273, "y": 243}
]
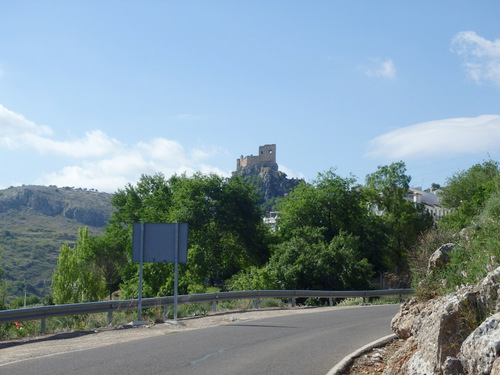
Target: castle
[{"x": 265, "y": 158}]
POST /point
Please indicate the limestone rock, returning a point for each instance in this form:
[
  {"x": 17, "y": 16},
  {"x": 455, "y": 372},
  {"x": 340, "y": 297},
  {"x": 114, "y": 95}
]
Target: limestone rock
[
  {"x": 440, "y": 257},
  {"x": 495, "y": 369},
  {"x": 451, "y": 335},
  {"x": 489, "y": 297},
  {"x": 402, "y": 322},
  {"x": 481, "y": 349},
  {"x": 438, "y": 329}
]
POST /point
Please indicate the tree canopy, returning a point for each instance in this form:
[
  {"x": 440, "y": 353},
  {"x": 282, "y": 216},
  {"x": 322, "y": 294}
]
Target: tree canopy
[
  {"x": 226, "y": 232},
  {"x": 328, "y": 236},
  {"x": 466, "y": 193}
]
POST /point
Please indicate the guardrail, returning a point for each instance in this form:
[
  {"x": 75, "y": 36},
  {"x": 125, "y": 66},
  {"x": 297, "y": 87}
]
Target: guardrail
[{"x": 43, "y": 312}]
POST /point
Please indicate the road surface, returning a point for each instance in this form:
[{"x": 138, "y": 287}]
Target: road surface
[{"x": 309, "y": 343}]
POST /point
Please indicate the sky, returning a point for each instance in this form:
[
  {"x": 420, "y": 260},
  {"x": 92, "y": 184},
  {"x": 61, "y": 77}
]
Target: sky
[{"x": 93, "y": 94}]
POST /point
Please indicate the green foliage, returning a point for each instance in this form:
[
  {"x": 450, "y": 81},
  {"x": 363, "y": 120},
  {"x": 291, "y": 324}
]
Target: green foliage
[
  {"x": 478, "y": 247},
  {"x": 402, "y": 220},
  {"x": 108, "y": 256},
  {"x": 421, "y": 251},
  {"x": 18, "y": 303},
  {"x": 75, "y": 279},
  {"x": 3, "y": 288},
  {"x": 467, "y": 191},
  {"x": 226, "y": 232},
  {"x": 306, "y": 261},
  {"x": 254, "y": 278},
  {"x": 331, "y": 202}
]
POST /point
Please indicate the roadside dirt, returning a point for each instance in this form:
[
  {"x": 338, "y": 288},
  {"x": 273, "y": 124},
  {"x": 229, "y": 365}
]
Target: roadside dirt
[{"x": 375, "y": 361}]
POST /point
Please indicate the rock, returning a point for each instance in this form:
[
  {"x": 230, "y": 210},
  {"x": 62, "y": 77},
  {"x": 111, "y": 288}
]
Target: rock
[
  {"x": 436, "y": 330},
  {"x": 402, "y": 322},
  {"x": 495, "y": 369},
  {"x": 481, "y": 349},
  {"x": 487, "y": 289},
  {"x": 440, "y": 257},
  {"x": 452, "y": 366}
]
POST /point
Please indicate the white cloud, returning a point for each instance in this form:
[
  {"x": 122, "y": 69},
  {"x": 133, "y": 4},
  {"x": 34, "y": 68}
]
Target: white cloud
[
  {"x": 13, "y": 126},
  {"x": 95, "y": 144},
  {"x": 16, "y": 132},
  {"x": 456, "y": 136},
  {"x": 100, "y": 161},
  {"x": 128, "y": 165},
  {"x": 482, "y": 57},
  {"x": 381, "y": 68}
]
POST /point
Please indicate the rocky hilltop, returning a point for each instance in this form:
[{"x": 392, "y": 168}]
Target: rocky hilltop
[
  {"x": 450, "y": 335},
  {"x": 270, "y": 182},
  {"x": 34, "y": 222},
  {"x": 83, "y": 206},
  {"x": 262, "y": 171}
]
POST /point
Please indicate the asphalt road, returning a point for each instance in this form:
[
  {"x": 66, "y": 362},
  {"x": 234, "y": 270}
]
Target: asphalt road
[{"x": 292, "y": 344}]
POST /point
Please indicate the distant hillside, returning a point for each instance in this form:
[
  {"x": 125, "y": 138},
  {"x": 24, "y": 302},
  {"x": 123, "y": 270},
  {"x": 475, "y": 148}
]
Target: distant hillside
[{"x": 34, "y": 222}]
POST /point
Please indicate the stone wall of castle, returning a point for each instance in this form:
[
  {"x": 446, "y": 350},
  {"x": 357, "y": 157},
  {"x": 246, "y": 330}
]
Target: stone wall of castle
[{"x": 266, "y": 157}]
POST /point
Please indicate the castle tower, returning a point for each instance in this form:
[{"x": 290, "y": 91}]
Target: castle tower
[{"x": 267, "y": 153}]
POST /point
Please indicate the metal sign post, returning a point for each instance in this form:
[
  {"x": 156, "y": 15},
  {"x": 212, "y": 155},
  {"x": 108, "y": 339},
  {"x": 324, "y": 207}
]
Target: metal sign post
[
  {"x": 141, "y": 261},
  {"x": 159, "y": 243},
  {"x": 176, "y": 269}
]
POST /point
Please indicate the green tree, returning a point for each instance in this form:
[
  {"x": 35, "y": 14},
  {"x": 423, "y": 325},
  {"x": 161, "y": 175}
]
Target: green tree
[
  {"x": 226, "y": 232},
  {"x": 76, "y": 279},
  {"x": 466, "y": 192},
  {"x": 307, "y": 261},
  {"x": 402, "y": 220},
  {"x": 108, "y": 256},
  {"x": 334, "y": 205},
  {"x": 330, "y": 202}
]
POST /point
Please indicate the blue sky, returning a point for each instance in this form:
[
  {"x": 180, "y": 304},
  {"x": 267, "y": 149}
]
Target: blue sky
[{"x": 95, "y": 93}]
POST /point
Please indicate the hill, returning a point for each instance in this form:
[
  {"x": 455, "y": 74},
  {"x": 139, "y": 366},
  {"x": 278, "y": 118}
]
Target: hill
[
  {"x": 262, "y": 172},
  {"x": 34, "y": 222}
]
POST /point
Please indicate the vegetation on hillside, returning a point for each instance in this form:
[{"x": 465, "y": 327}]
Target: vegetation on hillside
[{"x": 473, "y": 226}]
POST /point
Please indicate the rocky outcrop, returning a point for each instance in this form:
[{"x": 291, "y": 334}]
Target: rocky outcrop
[
  {"x": 87, "y": 216},
  {"x": 454, "y": 334},
  {"x": 269, "y": 180},
  {"x": 85, "y": 207}
]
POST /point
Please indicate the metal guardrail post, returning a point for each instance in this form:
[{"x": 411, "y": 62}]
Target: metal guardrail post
[
  {"x": 43, "y": 312},
  {"x": 110, "y": 317},
  {"x": 256, "y": 303}
]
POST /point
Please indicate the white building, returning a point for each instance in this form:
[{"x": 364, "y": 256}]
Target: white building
[{"x": 430, "y": 200}]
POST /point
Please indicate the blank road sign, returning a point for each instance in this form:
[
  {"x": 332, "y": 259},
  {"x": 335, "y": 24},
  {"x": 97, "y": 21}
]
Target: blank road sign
[{"x": 159, "y": 242}]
